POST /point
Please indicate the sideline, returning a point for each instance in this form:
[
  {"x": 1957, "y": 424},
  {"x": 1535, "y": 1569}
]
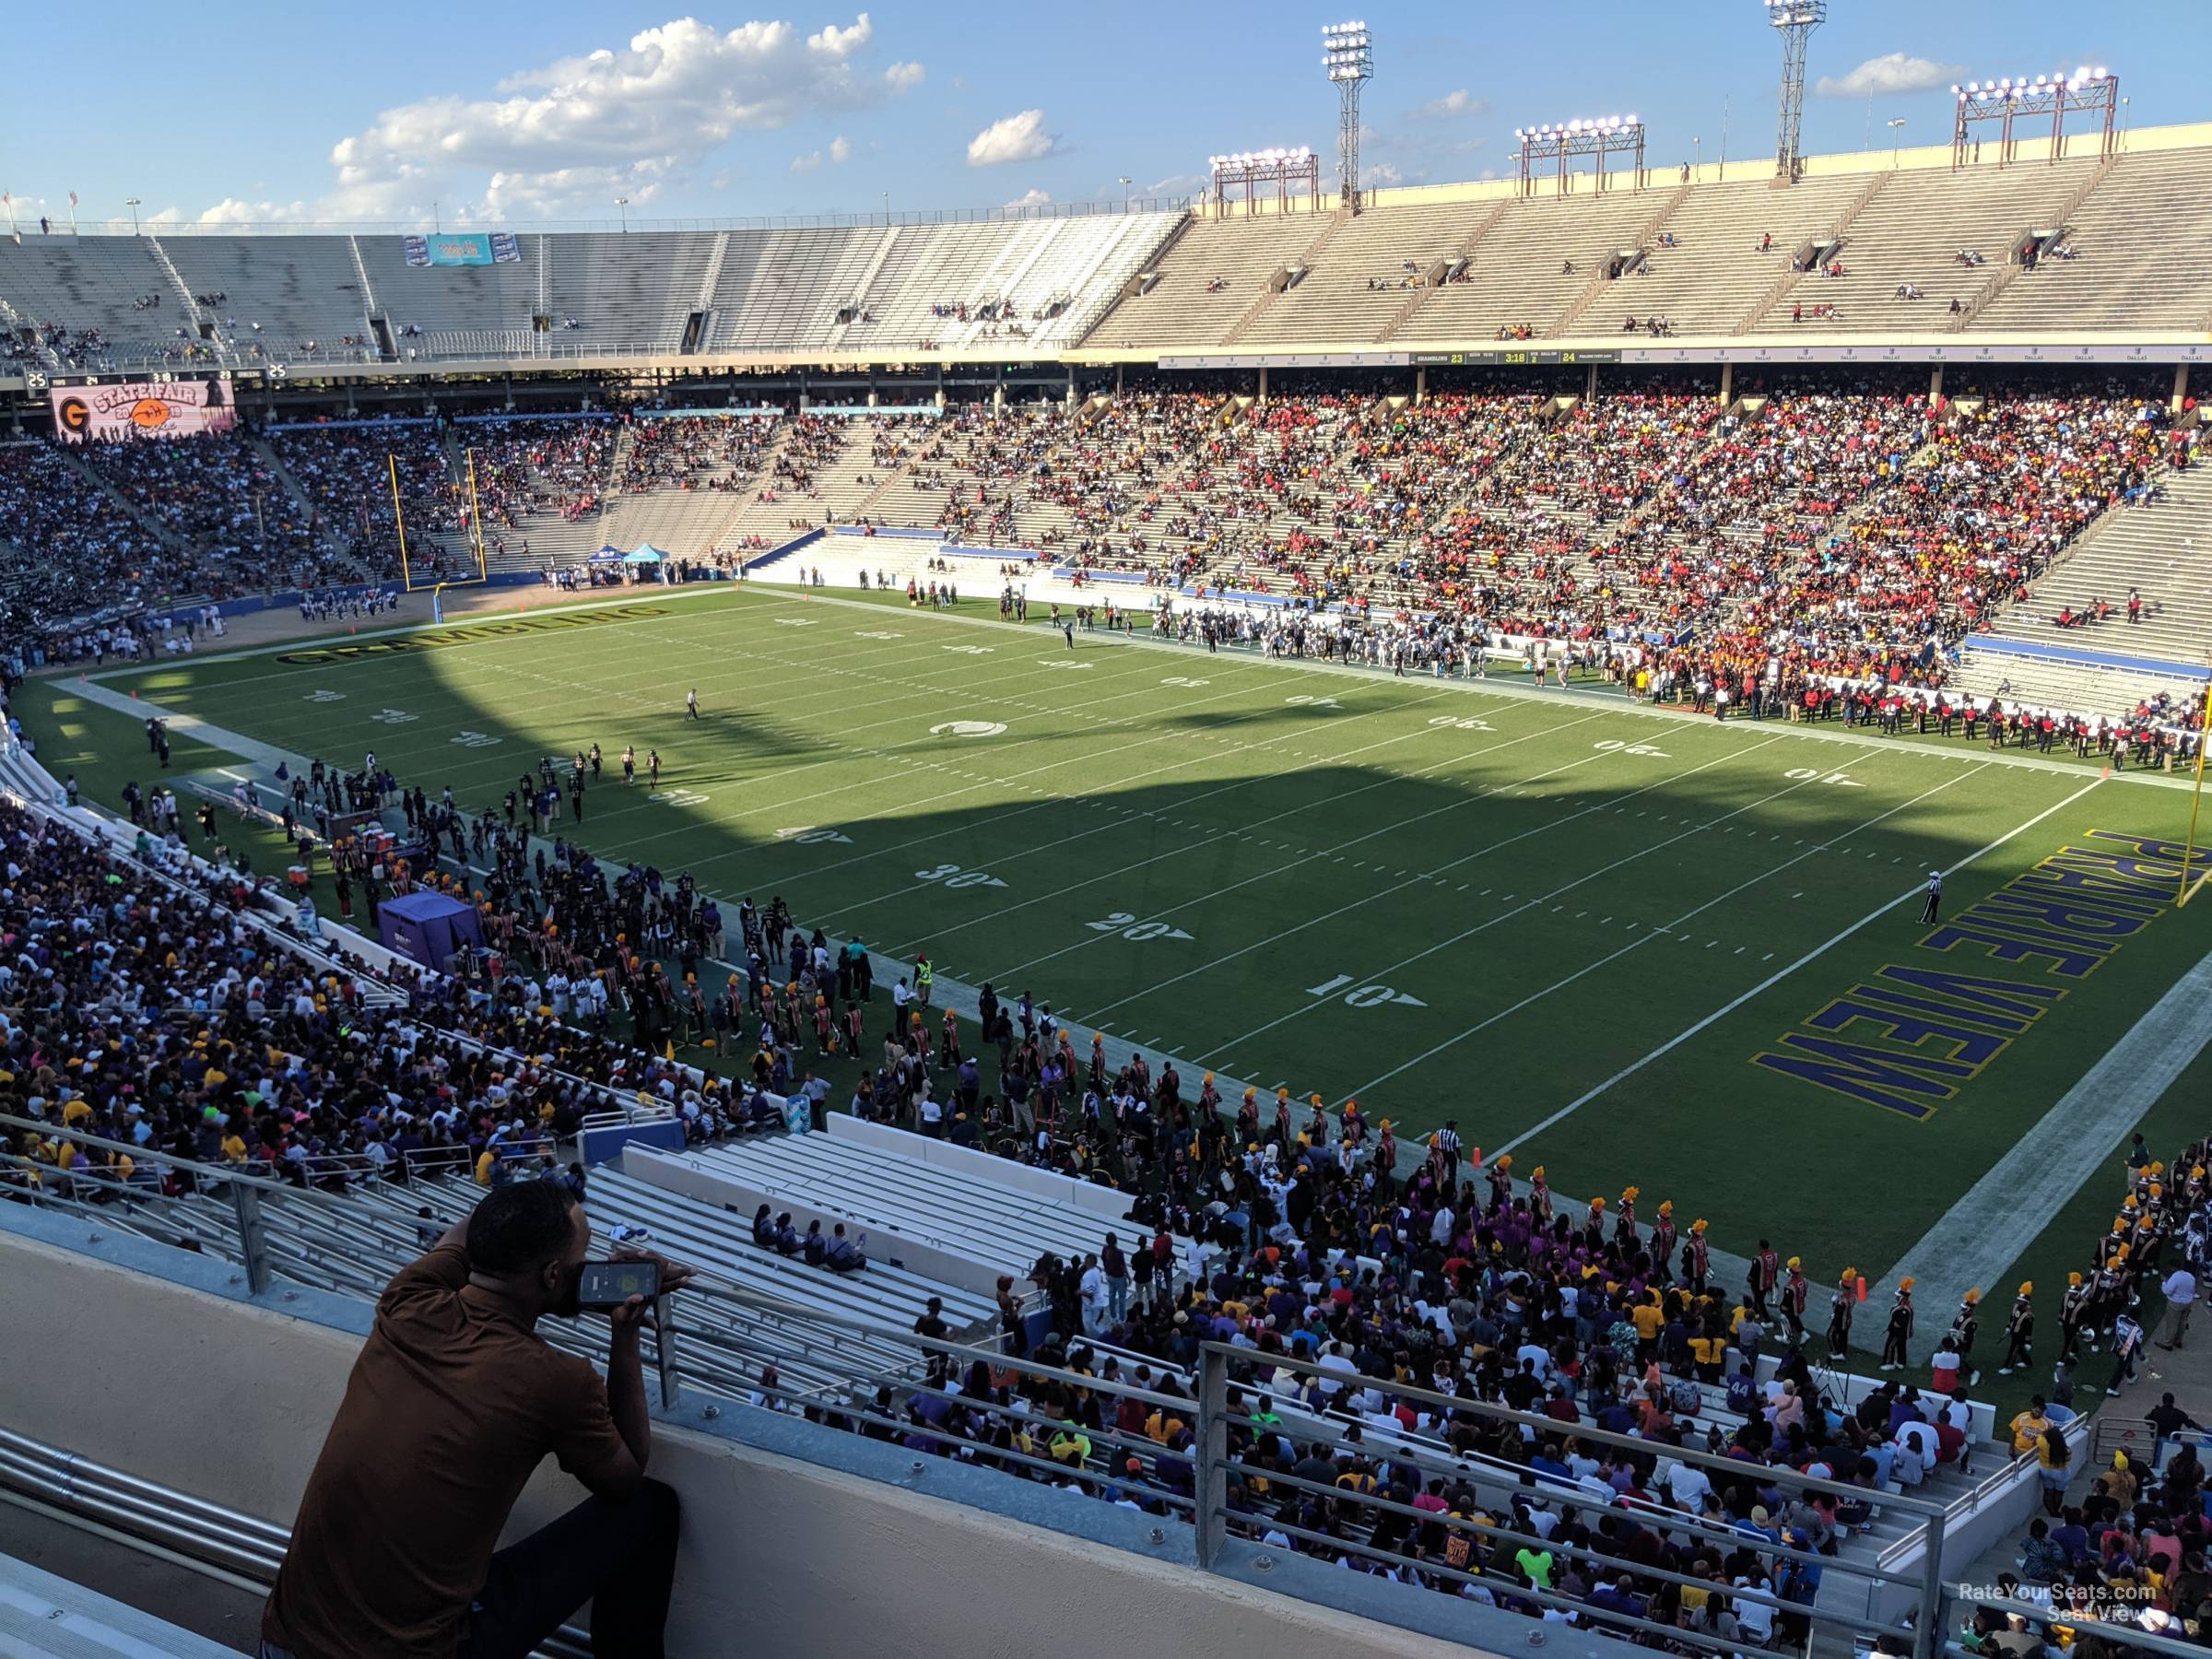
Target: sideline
[
  {"x": 963, "y": 998},
  {"x": 1783, "y": 972},
  {"x": 1611, "y": 701},
  {"x": 2005, "y": 1212}
]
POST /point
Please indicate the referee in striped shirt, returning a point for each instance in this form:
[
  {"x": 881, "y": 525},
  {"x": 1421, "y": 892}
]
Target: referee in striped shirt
[{"x": 1447, "y": 1147}]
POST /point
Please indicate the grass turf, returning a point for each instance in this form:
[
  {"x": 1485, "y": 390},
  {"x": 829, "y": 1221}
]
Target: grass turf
[{"x": 1446, "y": 900}]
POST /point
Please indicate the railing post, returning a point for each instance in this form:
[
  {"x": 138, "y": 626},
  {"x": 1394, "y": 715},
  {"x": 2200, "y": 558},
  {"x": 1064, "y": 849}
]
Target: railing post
[
  {"x": 1928, "y": 1638},
  {"x": 252, "y": 1237},
  {"x": 663, "y": 1349},
  {"x": 1210, "y": 1487}
]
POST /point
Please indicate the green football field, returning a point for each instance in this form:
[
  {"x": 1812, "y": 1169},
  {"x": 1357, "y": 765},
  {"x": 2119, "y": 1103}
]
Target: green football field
[{"x": 1573, "y": 927}]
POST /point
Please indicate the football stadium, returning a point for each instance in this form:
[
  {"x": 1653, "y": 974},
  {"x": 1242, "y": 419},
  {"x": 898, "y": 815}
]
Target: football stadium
[{"x": 1387, "y": 904}]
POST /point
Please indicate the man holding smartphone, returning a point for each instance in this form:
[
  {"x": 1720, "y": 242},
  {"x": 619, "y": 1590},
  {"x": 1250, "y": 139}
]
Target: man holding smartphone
[{"x": 453, "y": 1401}]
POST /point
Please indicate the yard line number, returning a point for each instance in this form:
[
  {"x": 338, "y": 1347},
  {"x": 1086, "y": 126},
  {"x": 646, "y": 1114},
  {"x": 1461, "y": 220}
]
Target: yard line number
[
  {"x": 1126, "y": 925},
  {"x": 952, "y": 876},
  {"x": 1363, "y": 996}
]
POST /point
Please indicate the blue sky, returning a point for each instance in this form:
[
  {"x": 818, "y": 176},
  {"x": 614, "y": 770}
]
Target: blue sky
[{"x": 496, "y": 112}]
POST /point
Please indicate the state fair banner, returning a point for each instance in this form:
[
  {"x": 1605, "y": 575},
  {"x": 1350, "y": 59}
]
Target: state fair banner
[
  {"x": 169, "y": 408},
  {"x": 461, "y": 248}
]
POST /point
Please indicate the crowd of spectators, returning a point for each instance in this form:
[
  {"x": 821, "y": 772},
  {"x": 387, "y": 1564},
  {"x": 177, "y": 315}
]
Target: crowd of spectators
[
  {"x": 527, "y": 467},
  {"x": 347, "y": 473},
  {"x": 697, "y": 451},
  {"x": 153, "y": 1010}
]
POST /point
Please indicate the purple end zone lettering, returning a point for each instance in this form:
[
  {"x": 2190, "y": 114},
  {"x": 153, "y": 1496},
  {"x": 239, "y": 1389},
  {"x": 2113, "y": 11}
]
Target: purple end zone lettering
[
  {"x": 1864, "y": 1075},
  {"x": 1883, "y": 996},
  {"x": 2000, "y": 995},
  {"x": 2150, "y": 846},
  {"x": 2074, "y": 964},
  {"x": 2084, "y": 887},
  {"x": 2162, "y": 876},
  {"x": 1974, "y": 1049},
  {"x": 2067, "y": 918}
]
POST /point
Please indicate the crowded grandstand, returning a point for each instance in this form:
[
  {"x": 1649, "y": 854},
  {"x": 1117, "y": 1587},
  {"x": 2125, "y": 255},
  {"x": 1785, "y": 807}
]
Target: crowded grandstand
[{"x": 1717, "y": 571}]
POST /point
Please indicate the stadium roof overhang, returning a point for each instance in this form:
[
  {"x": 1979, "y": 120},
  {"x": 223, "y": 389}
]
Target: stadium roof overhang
[{"x": 952, "y": 368}]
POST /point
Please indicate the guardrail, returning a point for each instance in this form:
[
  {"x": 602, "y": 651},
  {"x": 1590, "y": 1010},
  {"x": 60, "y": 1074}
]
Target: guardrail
[
  {"x": 211, "y": 1539},
  {"x": 1025, "y": 1417}
]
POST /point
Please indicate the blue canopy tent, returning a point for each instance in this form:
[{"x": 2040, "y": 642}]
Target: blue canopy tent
[
  {"x": 427, "y": 927},
  {"x": 644, "y": 553},
  {"x": 609, "y": 554}
]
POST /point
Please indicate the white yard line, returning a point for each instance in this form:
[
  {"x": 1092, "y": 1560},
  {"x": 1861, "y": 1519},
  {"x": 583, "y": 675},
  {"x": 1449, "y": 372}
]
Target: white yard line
[
  {"x": 1381, "y": 973},
  {"x": 1536, "y": 996},
  {"x": 1783, "y": 972},
  {"x": 2001, "y": 1214},
  {"x": 1467, "y": 859},
  {"x": 1244, "y": 830},
  {"x": 1502, "y": 687}
]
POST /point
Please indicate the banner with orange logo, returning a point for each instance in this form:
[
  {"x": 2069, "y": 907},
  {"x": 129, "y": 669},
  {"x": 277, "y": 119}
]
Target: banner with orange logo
[{"x": 174, "y": 408}]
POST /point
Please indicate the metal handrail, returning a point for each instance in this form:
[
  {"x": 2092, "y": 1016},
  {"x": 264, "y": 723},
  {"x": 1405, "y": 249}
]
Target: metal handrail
[
  {"x": 1461, "y": 1406},
  {"x": 1213, "y": 1511},
  {"x": 313, "y": 1226}
]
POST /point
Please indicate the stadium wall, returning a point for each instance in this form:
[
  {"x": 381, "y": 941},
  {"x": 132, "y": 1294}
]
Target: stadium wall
[
  {"x": 809, "y": 1539},
  {"x": 1921, "y": 157}
]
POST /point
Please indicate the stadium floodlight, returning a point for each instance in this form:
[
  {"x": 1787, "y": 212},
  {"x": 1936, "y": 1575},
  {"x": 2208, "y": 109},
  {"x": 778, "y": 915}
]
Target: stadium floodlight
[
  {"x": 1347, "y": 56},
  {"x": 1558, "y": 142},
  {"x": 622, "y": 205},
  {"x": 132, "y": 202},
  {"x": 1288, "y": 170},
  {"x": 2090, "y": 88},
  {"x": 1794, "y": 20}
]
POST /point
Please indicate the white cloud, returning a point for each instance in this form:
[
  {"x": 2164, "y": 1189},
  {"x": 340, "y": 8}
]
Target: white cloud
[
  {"x": 1031, "y": 197},
  {"x": 1377, "y": 173},
  {"x": 841, "y": 148},
  {"x": 607, "y": 123},
  {"x": 1175, "y": 184},
  {"x": 1461, "y": 102},
  {"x": 1892, "y": 72},
  {"x": 1018, "y": 137},
  {"x": 232, "y": 211}
]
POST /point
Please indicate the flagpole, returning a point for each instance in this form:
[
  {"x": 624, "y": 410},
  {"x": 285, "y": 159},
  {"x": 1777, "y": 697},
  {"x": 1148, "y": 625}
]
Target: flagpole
[{"x": 73, "y": 213}]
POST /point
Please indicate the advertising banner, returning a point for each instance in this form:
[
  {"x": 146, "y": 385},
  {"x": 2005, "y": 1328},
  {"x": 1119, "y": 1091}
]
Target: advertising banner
[
  {"x": 174, "y": 408},
  {"x": 463, "y": 248}
]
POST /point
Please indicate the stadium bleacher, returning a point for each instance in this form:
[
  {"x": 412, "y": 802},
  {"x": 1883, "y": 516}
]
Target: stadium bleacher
[{"x": 1445, "y": 265}]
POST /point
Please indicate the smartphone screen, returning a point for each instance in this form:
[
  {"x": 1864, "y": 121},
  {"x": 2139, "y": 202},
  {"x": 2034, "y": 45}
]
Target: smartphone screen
[{"x": 610, "y": 1284}]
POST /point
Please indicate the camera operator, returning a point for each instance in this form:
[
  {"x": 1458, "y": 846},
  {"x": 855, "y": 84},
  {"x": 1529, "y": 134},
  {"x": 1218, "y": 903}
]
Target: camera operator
[{"x": 453, "y": 1401}]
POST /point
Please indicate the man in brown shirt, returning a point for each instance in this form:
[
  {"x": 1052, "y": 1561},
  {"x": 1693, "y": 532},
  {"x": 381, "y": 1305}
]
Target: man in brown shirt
[{"x": 453, "y": 1401}]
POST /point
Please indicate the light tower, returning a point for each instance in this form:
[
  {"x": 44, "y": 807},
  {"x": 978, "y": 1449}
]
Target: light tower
[
  {"x": 1795, "y": 20},
  {"x": 1350, "y": 61}
]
